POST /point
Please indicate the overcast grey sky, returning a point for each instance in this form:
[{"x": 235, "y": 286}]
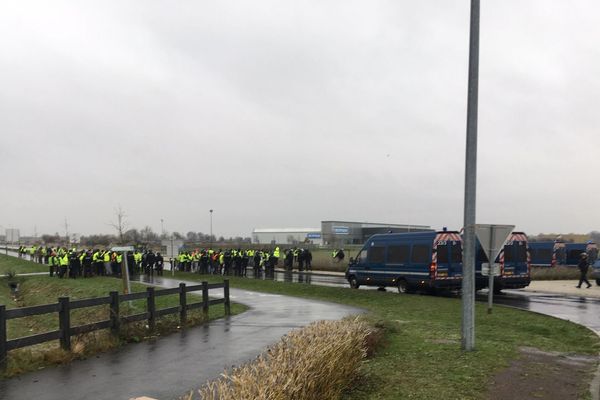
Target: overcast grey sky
[{"x": 281, "y": 113}]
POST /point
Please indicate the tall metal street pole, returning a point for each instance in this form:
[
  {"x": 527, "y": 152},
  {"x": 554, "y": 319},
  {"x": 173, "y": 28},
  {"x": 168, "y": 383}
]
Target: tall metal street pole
[
  {"x": 211, "y": 212},
  {"x": 468, "y": 282}
]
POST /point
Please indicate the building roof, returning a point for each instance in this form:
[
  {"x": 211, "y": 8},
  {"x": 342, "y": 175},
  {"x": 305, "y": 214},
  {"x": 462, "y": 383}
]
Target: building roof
[
  {"x": 286, "y": 230},
  {"x": 376, "y": 225}
]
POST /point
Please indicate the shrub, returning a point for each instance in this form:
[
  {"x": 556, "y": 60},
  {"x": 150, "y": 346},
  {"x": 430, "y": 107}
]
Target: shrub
[{"x": 315, "y": 362}]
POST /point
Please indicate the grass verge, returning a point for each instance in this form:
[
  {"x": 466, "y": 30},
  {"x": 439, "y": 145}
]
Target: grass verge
[
  {"x": 422, "y": 358},
  {"x": 20, "y": 266},
  {"x": 36, "y": 290}
]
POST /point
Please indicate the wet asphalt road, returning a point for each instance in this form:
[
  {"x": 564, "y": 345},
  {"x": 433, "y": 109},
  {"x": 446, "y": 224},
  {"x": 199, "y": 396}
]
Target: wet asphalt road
[{"x": 172, "y": 365}]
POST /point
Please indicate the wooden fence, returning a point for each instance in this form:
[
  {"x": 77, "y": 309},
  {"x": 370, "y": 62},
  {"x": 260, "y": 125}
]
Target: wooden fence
[{"x": 65, "y": 305}]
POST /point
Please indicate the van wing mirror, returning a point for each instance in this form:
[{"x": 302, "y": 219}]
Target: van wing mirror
[{"x": 351, "y": 260}]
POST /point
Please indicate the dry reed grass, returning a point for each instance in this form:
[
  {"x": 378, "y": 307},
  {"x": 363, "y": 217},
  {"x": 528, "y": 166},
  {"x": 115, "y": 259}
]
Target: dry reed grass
[
  {"x": 554, "y": 273},
  {"x": 315, "y": 362}
]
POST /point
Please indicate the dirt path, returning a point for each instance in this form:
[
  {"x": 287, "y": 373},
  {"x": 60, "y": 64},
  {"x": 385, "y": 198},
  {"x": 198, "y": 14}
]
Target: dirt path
[{"x": 544, "y": 375}]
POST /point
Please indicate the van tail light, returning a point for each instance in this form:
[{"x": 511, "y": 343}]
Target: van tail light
[{"x": 432, "y": 270}]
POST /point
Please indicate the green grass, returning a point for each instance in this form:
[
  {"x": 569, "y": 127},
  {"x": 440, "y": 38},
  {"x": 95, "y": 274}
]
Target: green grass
[
  {"x": 20, "y": 266},
  {"x": 36, "y": 290},
  {"x": 422, "y": 358}
]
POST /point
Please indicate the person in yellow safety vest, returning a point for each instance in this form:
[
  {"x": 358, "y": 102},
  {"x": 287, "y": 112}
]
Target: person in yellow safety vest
[
  {"x": 274, "y": 259},
  {"x": 221, "y": 263},
  {"x": 64, "y": 264},
  {"x": 119, "y": 264},
  {"x": 181, "y": 261},
  {"x": 137, "y": 257},
  {"x": 107, "y": 267},
  {"x": 51, "y": 264},
  {"x": 195, "y": 258},
  {"x": 95, "y": 260}
]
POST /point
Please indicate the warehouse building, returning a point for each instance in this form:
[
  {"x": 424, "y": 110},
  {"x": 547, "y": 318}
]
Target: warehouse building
[
  {"x": 338, "y": 233},
  {"x": 287, "y": 236},
  {"x": 331, "y": 233}
]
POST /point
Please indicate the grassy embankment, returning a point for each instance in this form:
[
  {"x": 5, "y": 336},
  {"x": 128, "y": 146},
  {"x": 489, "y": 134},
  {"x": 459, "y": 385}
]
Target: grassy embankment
[
  {"x": 36, "y": 290},
  {"x": 21, "y": 266},
  {"x": 421, "y": 358}
]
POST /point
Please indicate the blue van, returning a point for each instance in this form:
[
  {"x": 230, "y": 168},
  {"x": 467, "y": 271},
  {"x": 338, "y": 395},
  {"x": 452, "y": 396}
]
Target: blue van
[
  {"x": 409, "y": 261},
  {"x": 541, "y": 253},
  {"x": 574, "y": 250}
]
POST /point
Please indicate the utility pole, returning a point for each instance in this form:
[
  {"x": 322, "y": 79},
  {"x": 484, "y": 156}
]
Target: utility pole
[
  {"x": 67, "y": 232},
  {"x": 162, "y": 227},
  {"x": 468, "y": 281},
  {"x": 211, "y": 236}
]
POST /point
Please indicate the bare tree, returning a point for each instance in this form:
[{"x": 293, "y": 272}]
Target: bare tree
[{"x": 120, "y": 224}]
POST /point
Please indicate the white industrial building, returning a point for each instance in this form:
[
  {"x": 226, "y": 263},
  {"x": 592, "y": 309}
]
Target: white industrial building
[
  {"x": 287, "y": 236},
  {"x": 332, "y": 233},
  {"x": 12, "y": 236}
]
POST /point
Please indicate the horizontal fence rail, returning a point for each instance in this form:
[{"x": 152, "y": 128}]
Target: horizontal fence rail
[{"x": 65, "y": 305}]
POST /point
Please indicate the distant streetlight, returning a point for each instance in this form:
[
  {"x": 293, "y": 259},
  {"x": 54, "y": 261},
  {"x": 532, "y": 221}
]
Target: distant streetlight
[
  {"x": 211, "y": 212},
  {"x": 162, "y": 227}
]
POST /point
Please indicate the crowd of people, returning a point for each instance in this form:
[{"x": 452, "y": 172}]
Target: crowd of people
[
  {"x": 73, "y": 263},
  {"x": 85, "y": 263}
]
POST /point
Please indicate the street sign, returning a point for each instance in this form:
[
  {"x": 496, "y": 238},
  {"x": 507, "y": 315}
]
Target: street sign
[
  {"x": 492, "y": 239},
  {"x": 122, "y": 248},
  {"x": 485, "y": 269}
]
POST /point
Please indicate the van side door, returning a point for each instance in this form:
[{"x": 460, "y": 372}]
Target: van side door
[
  {"x": 420, "y": 260},
  {"x": 376, "y": 262}
]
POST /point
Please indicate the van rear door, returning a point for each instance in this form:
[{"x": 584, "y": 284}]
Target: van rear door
[
  {"x": 449, "y": 259},
  {"x": 448, "y": 255},
  {"x": 515, "y": 256}
]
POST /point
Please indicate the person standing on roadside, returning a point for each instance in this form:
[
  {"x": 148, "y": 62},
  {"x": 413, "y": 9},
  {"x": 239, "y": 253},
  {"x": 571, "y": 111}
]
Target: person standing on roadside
[{"x": 583, "y": 269}]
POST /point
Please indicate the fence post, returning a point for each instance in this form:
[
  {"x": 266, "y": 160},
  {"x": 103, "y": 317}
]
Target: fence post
[
  {"x": 114, "y": 313},
  {"x": 182, "y": 304},
  {"x": 226, "y": 295},
  {"x": 151, "y": 309},
  {"x": 64, "y": 323},
  {"x": 3, "y": 351},
  {"x": 205, "y": 299}
]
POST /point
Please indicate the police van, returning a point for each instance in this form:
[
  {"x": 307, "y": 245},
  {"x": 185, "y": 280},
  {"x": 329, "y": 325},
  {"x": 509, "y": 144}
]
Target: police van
[
  {"x": 541, "y": 253},
  {"x": 409, "y": 261}
]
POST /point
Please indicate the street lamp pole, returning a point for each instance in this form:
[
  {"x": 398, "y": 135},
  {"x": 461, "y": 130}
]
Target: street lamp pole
[
  {"x": 211, "y": 212},
  {"x": 468, "y": 281}
]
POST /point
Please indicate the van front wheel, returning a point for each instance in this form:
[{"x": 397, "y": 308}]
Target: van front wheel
[
  {"x": 402, "y": 286},
  {"x": 353, "y": 282}
]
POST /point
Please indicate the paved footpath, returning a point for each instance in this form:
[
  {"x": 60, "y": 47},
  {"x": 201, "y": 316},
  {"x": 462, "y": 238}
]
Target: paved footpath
[{"x": 173, "y": 365}]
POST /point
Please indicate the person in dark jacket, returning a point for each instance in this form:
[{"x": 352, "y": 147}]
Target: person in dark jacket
[
  {"x": 583, "y": 269},
  {"x": 159, "y": 264}
]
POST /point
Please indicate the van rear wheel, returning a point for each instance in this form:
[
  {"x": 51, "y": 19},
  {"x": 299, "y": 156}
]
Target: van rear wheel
[
  {"x": 353, "y": 282},
  {"x": 402, "y": 286},
  {"x": 598, "y": 282}
]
